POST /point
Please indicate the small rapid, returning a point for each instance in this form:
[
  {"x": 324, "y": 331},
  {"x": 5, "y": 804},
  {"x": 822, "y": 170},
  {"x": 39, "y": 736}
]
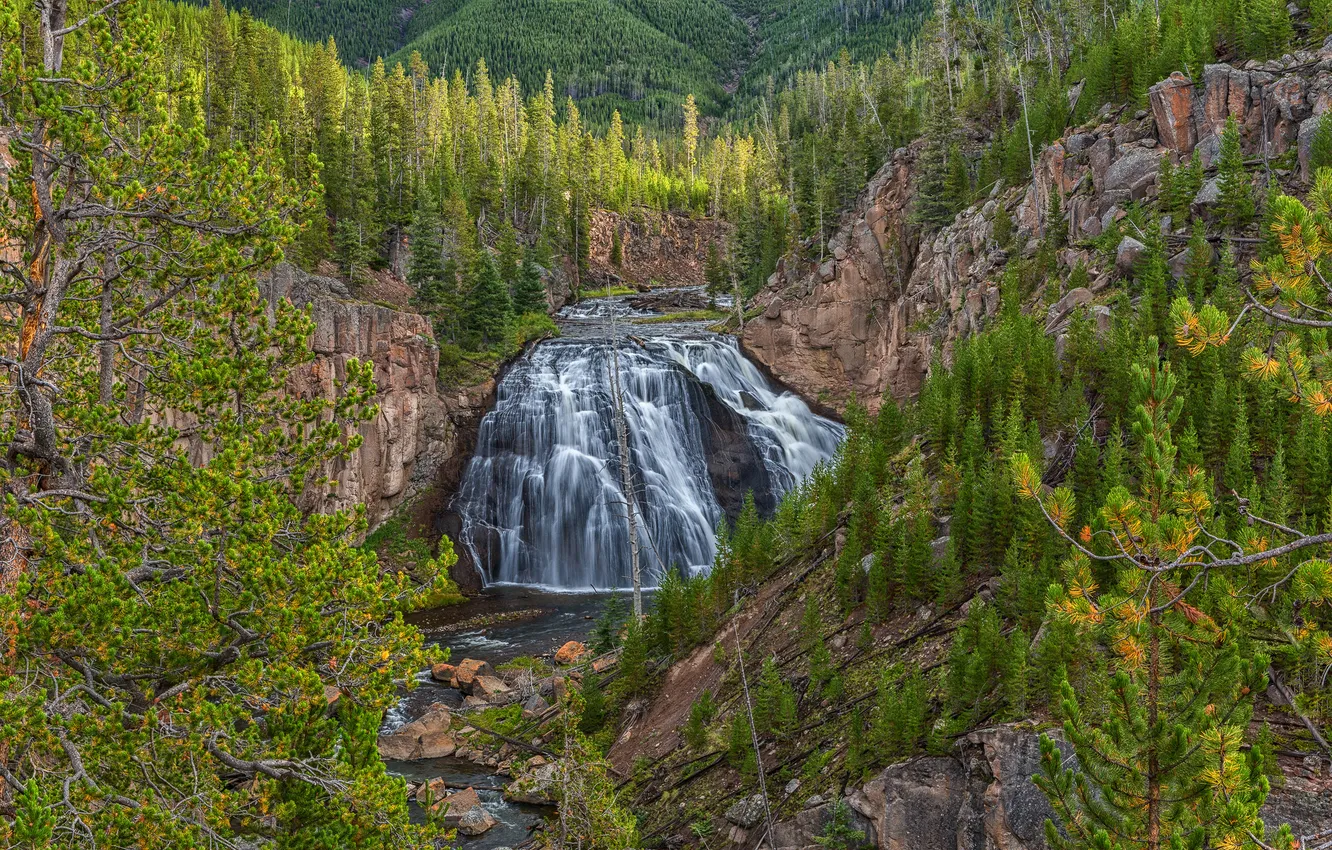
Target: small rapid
[{"x": 541, "y": 501}]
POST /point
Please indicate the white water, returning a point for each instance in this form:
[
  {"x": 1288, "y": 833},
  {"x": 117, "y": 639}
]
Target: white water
[{"x": 541, "y": 501}]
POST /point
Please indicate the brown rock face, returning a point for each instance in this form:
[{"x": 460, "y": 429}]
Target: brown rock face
[
  {"x": 1172, "y": 107},
  {"x": 866, "y": 315},
  {"x": 831, "y": 328},
  {"x": 570, "y": 652},
  {"x": 411, "y": 435},
  {"x": 658, "y": 249}
]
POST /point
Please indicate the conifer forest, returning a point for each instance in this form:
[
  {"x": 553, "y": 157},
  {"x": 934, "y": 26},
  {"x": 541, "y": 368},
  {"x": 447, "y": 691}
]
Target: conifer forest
[{"x": 717, "y": 424}]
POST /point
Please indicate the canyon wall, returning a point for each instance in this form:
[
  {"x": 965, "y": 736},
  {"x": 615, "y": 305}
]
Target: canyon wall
[
  {"x": 412, "y": 434},
  {"x": 867, "y": 315}
]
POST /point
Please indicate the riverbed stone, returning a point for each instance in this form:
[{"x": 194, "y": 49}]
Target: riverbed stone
[
  {"x": 427, "y": 737},
  {"x": 570, "y": 652},
  {"x": 492, "y": 689},
  {"x": 445, "y": 674},
  {"x": 469, "y": 670},
  {"x": 476, "y": 821}
]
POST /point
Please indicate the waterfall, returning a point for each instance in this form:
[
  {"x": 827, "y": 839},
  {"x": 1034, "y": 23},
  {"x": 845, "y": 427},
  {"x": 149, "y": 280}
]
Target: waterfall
[{"x": 541, "y": 501}]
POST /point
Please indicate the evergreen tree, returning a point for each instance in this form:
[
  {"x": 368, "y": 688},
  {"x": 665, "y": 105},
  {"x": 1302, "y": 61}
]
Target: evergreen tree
[
  {"x": 606, "y": 632},
  {"x": 529, "y": 295},
  {"x": 702, "y": 711},
  {"x": 1235, "y": 207},
  {"x": 1163, "y": 767},
  {"x": 1320, "y": 149},
  {"x": 488, "y": 307}
]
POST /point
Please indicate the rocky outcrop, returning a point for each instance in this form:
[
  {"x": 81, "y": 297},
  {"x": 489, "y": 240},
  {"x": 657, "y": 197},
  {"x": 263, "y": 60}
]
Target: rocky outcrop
[
  {"x": 404, "y": 444},
  {"x": 655, "y": 248},
  {"x": 848, "y": 321},
  {"x": 981, "y": 797},
  {"x": 867, "y": 315},
  {"x": 735, "y": 466},
  {"x": 1276, "y": 105}
]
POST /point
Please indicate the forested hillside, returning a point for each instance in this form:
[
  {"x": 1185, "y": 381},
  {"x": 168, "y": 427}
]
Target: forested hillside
[{"x": 638, "y": 57}]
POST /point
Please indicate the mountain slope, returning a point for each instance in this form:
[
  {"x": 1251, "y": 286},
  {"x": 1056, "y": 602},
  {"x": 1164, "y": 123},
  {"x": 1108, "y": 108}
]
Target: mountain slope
[{"x": 640, "y": 56}]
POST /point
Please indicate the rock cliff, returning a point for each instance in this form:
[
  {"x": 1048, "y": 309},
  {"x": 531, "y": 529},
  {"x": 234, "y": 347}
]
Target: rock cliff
[
  {"x": 412, "y": 434},
  {"x": 656, "y": 249},
  {"x": 868, "y": 314}
]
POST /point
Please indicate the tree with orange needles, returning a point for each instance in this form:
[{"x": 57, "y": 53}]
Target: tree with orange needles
[{"x": 1159, "y": 584}]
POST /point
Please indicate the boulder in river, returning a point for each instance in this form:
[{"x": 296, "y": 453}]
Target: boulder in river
[
  {"x": 476, "y": 821},
  {"x": 427, "y": 737},
  {"x": 570, "y": 652},
  {"x": 462, "y": 810},
  {"x": 445, "y": 674},
  {"x": 469, "y": 670}
]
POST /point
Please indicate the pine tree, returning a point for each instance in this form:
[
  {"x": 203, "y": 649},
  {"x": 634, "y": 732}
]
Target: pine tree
[
  {"x": 529, "y": 295},
  {"x": 508, "y": 256},
  {"x": 1198, "y": 271},
  {"x": 594, "y": 706},
  {"x": 606, "y": 632},
  {"x": 1163, "y": 767},
  {"x": 774, "y": 702},
  {"x": 1235, "y": 207},
  {"x": 701, "y": 712},
  {"x": 191, "y": 640},
  {"x": 1188, "y": 183},
  {"x": 488, "y": 307},
  {"x": 740, "y": 744},
  {"x": 633, "y": 659},
  {"x": 1320, "y": 150}
]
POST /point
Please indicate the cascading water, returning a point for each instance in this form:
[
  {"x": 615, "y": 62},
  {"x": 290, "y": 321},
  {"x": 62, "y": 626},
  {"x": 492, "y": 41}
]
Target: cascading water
[{"x": 541, "y": 501}]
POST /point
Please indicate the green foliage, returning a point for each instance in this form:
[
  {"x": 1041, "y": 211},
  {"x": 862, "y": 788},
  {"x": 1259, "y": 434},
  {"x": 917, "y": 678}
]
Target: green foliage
[
  {"x": 529, "y": 292},
  {"x": 606, "y": 632},
  {"x": 1235, "y": 209},
  {"x": 229, "y": 656},
  {"x": 774, "y": 702},
  {"x": 901, "y": 711},
  {"x": 840, "y": 832},
  {"x": 701, "y": 713},
  {"x": 740, "y": 744},
  {"x": 633, "y": 660},
  {"x": 594, "y": 706},
  {"x": 488, "y": 310}
]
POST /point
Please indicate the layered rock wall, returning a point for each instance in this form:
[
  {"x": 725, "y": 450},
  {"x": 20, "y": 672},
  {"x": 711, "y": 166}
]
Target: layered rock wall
[{"x": 404, "y": 444}]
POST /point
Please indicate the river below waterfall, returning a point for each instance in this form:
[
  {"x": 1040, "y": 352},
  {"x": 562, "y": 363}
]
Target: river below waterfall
[{"x": 542, "y": 503}]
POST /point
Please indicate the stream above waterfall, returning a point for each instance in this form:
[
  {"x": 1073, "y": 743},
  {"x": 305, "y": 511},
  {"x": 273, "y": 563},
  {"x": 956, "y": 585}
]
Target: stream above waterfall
[{"x": 541, "y": 502}]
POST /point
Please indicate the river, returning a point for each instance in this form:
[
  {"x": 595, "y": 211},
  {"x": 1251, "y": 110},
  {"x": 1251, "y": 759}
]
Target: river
[{"x": 543, "y": 509}]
